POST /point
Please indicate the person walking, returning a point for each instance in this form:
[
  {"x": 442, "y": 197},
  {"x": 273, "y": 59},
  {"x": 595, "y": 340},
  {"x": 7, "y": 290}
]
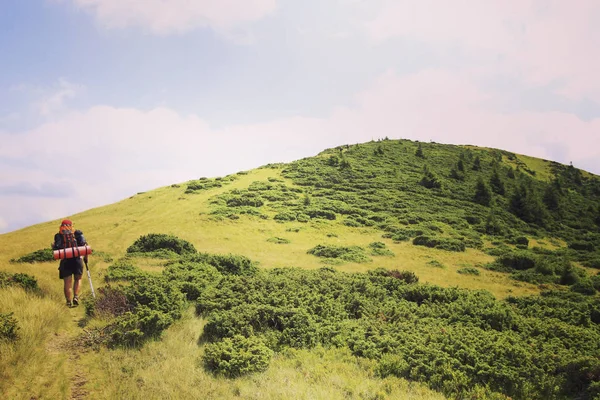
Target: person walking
[{"x": 70, "y": 270}]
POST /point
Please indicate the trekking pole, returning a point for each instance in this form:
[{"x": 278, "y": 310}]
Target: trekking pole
[{"x": 89, "y": 276}]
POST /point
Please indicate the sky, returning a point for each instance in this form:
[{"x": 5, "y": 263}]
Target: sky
[{"x": 101, "y": 99}]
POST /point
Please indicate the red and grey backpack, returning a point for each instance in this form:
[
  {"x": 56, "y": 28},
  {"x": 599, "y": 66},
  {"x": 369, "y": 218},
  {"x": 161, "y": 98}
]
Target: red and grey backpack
[{"x": 66, "y": 237}]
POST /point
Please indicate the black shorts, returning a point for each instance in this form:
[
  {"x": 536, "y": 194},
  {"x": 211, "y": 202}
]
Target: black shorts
[{"x": 70, "y": 266}]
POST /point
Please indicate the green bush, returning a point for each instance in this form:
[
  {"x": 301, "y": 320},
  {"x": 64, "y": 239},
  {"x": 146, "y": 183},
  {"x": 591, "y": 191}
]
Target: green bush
[
  {"x": 158, "y": 241},
  {"x": 25, "y": 281},
  {"x": 122, "y": 270},
  {"x": 43, "y": 255},
  {"x": 9, "y": 327},
  {"x": 519, "y": 260},
  {"x": 440, "y": 243},
  {"x": 469, "y": 271},
  {"x": 278, "y": 240},
  {"x": 380, "y": 249},
  {"x": 318, "y": 213},
  {"x": 584, "y": 286},
  {"x": 406, "y": 276},
  {"x": 233, "y": 357},
  {"x": 154, "y": 303},
  {"x": 226, "y": 263},
  {"x": 346, "y": 253},
  {"x": 285, "y": 216},
  {"x": 593, "y": 263}
]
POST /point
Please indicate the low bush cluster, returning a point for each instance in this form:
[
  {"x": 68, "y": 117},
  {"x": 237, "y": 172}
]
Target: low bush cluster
[
  {"x": 43, "y": 255},
  {"x": 236, "y": 356},
  {"x": 25, "y": 281},
  {"x": 153, "y": 242},
  {"x": 457, "y": 341},
  {"x": 469, "y": 271},
  {"x": 9, "y": 327},
  {"x": 440, "y": 243},
  {"x": 346, "y": 253}
]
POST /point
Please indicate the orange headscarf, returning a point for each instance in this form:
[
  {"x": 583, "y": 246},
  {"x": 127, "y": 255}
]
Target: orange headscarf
[{"x": 66, "y": 226}]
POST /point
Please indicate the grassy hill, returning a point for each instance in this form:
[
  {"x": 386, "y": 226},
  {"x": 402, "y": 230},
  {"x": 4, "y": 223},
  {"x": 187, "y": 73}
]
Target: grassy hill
[{"x": 389, "y": 269}]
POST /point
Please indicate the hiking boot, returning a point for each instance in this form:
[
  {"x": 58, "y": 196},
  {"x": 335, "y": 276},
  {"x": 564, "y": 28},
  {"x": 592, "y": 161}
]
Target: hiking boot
[
  {"x": 75, "y": 301},
  {"x": 69, "y": 304}
]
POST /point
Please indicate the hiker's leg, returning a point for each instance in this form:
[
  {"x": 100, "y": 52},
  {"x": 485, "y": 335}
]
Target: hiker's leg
[
  {"x": 68, "y": 287},
  {"x": 77, "y": 285}
]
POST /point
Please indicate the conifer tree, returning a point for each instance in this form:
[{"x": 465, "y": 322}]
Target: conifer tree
[
  {"x": 483, "y": 194},
  {"x": 496, "y": 183},
  {"x": 419, "y": 152}
]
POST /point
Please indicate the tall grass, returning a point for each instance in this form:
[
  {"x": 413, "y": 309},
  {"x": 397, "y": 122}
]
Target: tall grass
[
  {"x": 29, "y": 368},
  {"x": 171, "y": 369}
]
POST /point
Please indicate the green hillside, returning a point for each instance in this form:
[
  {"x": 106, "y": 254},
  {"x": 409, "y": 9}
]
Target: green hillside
[{"x": 388, "y": 269}]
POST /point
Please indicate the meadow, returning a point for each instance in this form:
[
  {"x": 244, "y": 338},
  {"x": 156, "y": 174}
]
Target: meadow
[{"x": 389, "y": 269}]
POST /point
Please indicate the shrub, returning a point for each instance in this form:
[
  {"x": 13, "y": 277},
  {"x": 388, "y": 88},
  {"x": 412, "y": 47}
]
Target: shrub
[
  {"x": 233, "y": 357},
  {"x": 518, "y": 260},
  {"x": 9, "y": 327},
  {"x": 246, "y": 199},
  {"x": 318, "y": 213},
  {"x": 122, "y": 270},
  {"x": 436, "y": 264},
  {"x": 379, "y": 249},
  {"x": 440, "y": 243},
  {"x": 593, "y": 263},
  {"x": 226, "y": 263},
  {"x": 109, "y": 302},
  {"x": 285, "y": 216},
  {"x": 43, "y": 255},
  {"x": 406, "y": 276},
  {"x": 303, "y": 217},
  {"x": 582, "y": 245},
  {"x": 584, "y": 286},
  {"x": 158, "y": 241},
  {"x": 520, "y": 240},
  {"x": 346, "y": 253},
  {"x": 25, "y": 281},
  {"x": 469, "y": 271},
  {"x": 278, "y": 240}
]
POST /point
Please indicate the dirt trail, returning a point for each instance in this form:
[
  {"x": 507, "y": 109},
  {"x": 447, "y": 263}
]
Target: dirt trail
[{"x": 69, "y": 344}]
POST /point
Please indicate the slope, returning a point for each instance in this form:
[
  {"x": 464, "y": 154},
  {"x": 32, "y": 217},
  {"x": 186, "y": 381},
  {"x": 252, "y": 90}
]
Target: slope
[{"x": 447, "y": 213}]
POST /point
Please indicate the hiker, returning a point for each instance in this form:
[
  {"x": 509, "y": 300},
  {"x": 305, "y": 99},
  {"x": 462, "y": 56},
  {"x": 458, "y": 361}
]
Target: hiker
[{"x": 70, "y": 267}]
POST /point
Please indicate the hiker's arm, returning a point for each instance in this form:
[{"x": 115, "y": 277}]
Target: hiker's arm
[{"x": 55, "y": 245}]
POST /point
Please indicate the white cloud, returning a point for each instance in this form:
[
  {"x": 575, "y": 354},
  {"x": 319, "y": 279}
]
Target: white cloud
[
  {"x": 176, "y": 16},
  {"x": 116, "y": 152},
  {"x": 543, "y": 41},
  {"x": 54, "y": 100},
  {"x": 46, "y": 101}
]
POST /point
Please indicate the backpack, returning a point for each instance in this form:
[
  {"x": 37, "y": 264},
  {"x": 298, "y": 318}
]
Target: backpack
[{"x": 67, "y": 238}]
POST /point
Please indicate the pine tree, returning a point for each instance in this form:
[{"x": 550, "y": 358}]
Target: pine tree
[
  {"x": 430, "y": 180},
  {"x": 496, "y": 183},
  {"x": 483, "y": 194},
  {"x": 419, "y": 152},
  {"x": 477, "y": 164},
  {"x": 527, "y": 205}
]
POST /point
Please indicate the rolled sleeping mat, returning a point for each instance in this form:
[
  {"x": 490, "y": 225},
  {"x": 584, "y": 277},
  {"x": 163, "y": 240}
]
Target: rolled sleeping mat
[{"x": 72, "y": 252}]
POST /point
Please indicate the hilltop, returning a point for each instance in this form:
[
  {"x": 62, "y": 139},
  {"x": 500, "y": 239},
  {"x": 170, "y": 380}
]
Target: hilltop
[{"x": 452, "y": 266}]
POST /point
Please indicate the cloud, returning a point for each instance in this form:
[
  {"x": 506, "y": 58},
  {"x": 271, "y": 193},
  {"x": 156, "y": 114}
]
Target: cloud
[
  {"x": 54, "y": 100},
  {"x": 543, "y": 42},
  {"x": 45, "y": 189},
  {"x": 105, "y": 153},
  {"x": 47, "y": 101},
  {"x": 176, "y": 16}
]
